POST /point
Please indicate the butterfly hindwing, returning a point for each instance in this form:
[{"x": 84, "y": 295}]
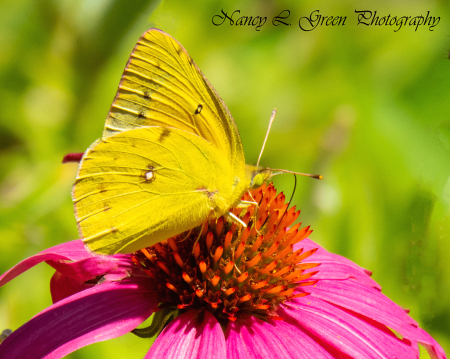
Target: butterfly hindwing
[{"x": 153, "y": 181}]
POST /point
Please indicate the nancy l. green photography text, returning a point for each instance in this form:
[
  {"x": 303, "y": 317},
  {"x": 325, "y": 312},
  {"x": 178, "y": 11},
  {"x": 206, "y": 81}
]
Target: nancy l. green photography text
[{"x": 315, "y": 19}]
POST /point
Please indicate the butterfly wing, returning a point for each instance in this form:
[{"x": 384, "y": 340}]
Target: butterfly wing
[
  {"x": 120, "y": 208},
  {"x": 162, "y": 86},
  {"x": 142, "y": 186}
]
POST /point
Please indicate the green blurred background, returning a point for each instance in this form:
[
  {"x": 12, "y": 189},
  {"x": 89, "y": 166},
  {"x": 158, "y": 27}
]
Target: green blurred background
[{"x": 365, "y": 106}]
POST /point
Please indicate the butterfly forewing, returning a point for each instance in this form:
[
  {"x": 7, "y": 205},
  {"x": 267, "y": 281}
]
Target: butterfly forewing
[{"x": 162, "y": 86}]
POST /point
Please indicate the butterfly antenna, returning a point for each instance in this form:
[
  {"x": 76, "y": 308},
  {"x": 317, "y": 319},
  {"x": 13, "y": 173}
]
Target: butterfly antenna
[
  {"x": 280, "y": 171},
  {"x": 274, "y": 112}
]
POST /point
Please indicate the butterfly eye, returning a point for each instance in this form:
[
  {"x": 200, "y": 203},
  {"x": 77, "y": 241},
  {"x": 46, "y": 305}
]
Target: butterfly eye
[{"x": 257, "y": 180}]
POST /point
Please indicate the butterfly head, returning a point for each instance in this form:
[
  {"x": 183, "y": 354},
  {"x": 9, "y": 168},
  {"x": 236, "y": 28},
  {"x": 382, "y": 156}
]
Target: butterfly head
[{"x": 260, "y": 176}]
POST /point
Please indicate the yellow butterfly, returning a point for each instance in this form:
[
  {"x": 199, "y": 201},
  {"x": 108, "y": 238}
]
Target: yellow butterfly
[{"x": 170, "y": 156}]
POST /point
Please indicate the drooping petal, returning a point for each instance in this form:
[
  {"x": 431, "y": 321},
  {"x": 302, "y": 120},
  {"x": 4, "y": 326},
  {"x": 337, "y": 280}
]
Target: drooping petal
[
  {"x": 334, "y": 266},
  {"x": 191, "y": 335},
  {"x": 71, "y": 277},
  {"x": 89, "y": 268},
  {"x": 99, "y": 313},
  {"x": 432, "y": 346},
  {"x": 371, "y": 303},
  {"x": 353, "y": 335},
  {"x": 62, "y": 286},
  {"x": 254, "y": 339},
  {"x": 362, "y": 295},
  {"x": 364, "y": 300},
  {"x": 71, "y": 251}
]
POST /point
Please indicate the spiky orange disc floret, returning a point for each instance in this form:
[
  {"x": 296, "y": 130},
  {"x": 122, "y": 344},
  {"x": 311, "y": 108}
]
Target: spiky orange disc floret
[{"x": 232, "y": 271}]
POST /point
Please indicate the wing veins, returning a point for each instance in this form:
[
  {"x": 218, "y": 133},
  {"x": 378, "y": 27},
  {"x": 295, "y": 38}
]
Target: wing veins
[
  {"x": 131, "y": 208},
  {"x": 206, "y": 97}
]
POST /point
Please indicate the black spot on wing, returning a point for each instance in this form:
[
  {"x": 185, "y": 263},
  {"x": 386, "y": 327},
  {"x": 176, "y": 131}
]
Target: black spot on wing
[
  {"x": 142, "y": 114},
  {"x": 101, "y": 187},
  {"x": 164, "y": 135},
  {"x": 147, "y": 95},
  {"x": 149, "y": 176},
  {"x": 198, "y": 109}
]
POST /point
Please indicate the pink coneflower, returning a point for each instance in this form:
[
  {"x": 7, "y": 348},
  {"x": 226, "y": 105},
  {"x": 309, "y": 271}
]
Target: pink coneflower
[{"x": 265, "y": 291}]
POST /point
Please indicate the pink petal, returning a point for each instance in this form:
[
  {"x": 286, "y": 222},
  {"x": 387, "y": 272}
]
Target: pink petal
[
  {"x": 188, "y": 336},
  {"x": 433, "y": 348},
  {"x": 88, "y": 268},
  {"x": 352, "y": 335},
  {"x": 252, "y": 338},
  {"x": 371, "y": 303},
  {"x": 72, "y": 251},
  {"x": 99, "y": 313},
  {"x": 365, "y": 300},
  {"x": 362, "y": 295},
  {"x": 334, "y": 266},
  {"x": 71, "y": 277},
  {"x": 62, "y": 286}
]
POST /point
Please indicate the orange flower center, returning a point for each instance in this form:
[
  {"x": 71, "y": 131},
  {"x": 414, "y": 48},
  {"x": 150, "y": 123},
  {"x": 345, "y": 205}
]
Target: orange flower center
[{"x": 231, "y": 270}]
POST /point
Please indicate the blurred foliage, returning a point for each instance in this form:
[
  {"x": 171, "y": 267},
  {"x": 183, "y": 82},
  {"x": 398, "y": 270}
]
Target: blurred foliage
[{"x": 365, "y": 106}]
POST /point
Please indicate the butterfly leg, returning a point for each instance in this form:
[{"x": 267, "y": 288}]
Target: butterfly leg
[
  {"x": 199, "y": 235},
  {"x": 187, "y": 235},
  {"x": 232, "y": 258},
  {"x": 255, "y": 212},
  {"x": 236, "y": 219},
  {"x": 245, "y": 204}
]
